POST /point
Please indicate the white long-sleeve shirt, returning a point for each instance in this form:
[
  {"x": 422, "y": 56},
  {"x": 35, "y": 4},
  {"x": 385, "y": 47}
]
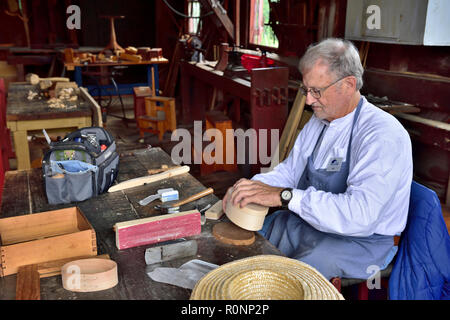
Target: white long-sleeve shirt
[{"x": 379, "y": 181}]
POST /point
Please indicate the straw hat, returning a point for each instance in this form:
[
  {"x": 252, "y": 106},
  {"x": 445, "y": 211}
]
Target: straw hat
[{"x": 265, "y": 277}]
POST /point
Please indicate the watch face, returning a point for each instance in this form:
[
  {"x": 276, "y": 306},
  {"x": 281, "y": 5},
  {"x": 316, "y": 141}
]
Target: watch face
[{"x": 286, "y": 195}]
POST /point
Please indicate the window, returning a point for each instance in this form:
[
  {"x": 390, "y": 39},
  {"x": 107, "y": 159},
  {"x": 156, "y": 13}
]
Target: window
[
  {"x": 260, "y": 32},
  {"x": 194, "y": 11}
]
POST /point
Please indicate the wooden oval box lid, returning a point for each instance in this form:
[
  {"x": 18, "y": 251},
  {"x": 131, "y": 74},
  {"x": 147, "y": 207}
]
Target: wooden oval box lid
[{"x": 251, "y": 217}]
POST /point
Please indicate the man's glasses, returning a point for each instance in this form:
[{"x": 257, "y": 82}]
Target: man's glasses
[{"x": 317, "y": 92}]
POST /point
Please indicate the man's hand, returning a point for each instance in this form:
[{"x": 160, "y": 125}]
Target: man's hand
[{"x": 247, "y": 191}]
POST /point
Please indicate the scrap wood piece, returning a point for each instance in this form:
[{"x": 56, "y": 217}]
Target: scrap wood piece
[
  {"x": 157, "y": 229},
  {"x": 149, "y": 179},
  {"x": 28, "y": 285},
  {"x": 215, "y": 212},
  {"x": 130, "y": 57}
]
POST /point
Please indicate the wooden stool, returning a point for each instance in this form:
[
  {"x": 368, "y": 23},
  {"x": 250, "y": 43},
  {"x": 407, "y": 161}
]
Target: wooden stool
[
  {"x": 219, "y": 121},
  {"x": 159, "y": 116},
  {"x": 139, "y": 95}
]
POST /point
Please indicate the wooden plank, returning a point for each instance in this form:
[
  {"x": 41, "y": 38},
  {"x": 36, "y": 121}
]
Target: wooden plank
[
  {"x": 292, "y": 124},
  {"x": 222, "y": 17},
  {"x": 215, "y": 212},
  {"x": 149, "y": 179},
  {"x": 290, "y": 130},
  {"x": 157, "y": 229},
  {"x": 28, "y": 285}
]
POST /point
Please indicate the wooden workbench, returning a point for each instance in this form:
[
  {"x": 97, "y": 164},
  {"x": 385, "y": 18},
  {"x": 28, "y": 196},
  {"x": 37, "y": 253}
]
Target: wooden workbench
[
  {"x": 24, "y": 194},
  {"x": 152, "y": 68},
  {"x": 23, "y": 115}
]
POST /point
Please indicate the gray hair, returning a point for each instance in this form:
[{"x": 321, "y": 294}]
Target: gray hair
[{"x": 340, "y": 55}]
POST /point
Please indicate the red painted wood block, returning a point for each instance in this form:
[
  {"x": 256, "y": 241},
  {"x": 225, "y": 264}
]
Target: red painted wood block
[{"x": 157, "y": 229}]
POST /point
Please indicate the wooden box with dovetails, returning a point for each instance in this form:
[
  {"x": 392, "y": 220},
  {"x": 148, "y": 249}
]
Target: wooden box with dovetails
[{"x": 46, "y": 236}]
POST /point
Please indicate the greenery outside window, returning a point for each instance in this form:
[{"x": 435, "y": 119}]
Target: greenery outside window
[{"x": 260, "y": 32}]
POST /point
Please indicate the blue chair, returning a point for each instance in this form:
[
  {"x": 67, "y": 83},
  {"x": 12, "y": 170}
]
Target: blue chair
[{"x": 422, "y": 265}]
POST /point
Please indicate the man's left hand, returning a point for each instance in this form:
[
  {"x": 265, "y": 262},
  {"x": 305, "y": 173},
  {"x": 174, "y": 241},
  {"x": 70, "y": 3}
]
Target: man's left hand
[{"x": 251, "y": 191}]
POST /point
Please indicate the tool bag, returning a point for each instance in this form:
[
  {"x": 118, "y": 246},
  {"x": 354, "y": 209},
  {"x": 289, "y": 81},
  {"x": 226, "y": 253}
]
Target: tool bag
[{"x": 82, "y": 165}]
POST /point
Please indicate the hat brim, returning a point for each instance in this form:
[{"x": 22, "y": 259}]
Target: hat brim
[{"x": 265, "y": 277}]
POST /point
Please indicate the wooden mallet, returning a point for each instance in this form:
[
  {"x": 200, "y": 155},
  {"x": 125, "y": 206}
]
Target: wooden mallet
[
  {"x": 174, "y": 206},
  {"x": 33, "y": 78}
]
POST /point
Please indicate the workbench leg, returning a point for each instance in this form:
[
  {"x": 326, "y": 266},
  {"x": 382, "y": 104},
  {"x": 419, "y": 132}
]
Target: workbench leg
[
  {"x": 22, "y": 150},
  {"x": 78, "y": 77}
]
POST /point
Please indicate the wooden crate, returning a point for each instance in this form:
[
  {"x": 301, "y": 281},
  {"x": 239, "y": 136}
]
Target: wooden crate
[{"x": 42, "y": 237}]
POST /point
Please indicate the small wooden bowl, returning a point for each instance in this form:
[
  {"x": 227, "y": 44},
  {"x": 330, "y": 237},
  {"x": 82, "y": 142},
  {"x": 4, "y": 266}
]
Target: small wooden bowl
[
  {"x": 250, "y": 217},
  {"x": 88, "y": 275}
]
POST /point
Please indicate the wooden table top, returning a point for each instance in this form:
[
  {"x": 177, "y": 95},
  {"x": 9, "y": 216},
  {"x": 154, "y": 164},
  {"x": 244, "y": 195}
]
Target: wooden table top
[
  {"x": 20, "y": 108},
  {"x": 105, "y": 210}
]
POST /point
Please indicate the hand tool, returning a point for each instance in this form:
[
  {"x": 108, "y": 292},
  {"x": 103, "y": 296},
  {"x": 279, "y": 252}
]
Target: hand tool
[
  {"x": 171, "y": 207},
  {"x": 165, "y": 195},
  {"x": 202, "y": 212}
]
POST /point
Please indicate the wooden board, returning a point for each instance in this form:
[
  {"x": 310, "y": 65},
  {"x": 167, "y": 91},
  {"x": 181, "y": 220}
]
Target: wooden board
[
  {"x": 157, "y": 229},
  {"x": 215, "y": 212},
  {"x": 230, "y": 233},
  {"x": 291, "y": 125},
  {"x": 28, "y": 285}
]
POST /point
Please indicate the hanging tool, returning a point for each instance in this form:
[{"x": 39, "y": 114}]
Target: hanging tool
[
  {"x": 174, "y": 206},
  {"x": 165, "y": 195}
]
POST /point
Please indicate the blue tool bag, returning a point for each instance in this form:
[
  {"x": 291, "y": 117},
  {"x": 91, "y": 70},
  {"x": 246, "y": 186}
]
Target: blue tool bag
[{"x": 82, "y": 165}]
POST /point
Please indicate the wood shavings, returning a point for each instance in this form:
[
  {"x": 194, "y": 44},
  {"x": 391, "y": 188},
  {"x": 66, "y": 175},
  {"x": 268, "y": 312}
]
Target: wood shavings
[
  {"x": 31, "y": 95},
  {"x": 64, "y": 95}
]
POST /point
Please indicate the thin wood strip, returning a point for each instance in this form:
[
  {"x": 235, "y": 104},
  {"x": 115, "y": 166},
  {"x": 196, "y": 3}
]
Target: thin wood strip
[
  {"x": 149, "y": 179},
  {"x": 98, "y": 121},
  {"x": 215, "y": 212},
  {"x": 94, "y": 275}
]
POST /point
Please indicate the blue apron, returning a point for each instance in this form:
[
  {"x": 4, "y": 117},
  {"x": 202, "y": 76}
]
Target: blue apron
[{"x": 331, "y": 254}]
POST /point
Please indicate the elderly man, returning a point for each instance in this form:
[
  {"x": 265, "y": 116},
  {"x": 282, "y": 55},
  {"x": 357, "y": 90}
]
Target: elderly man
[{"x": 345, "y": 185}]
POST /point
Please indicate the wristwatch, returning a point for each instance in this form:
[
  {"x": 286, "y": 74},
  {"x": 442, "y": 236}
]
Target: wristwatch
[{"x": 285, "y": 196}]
